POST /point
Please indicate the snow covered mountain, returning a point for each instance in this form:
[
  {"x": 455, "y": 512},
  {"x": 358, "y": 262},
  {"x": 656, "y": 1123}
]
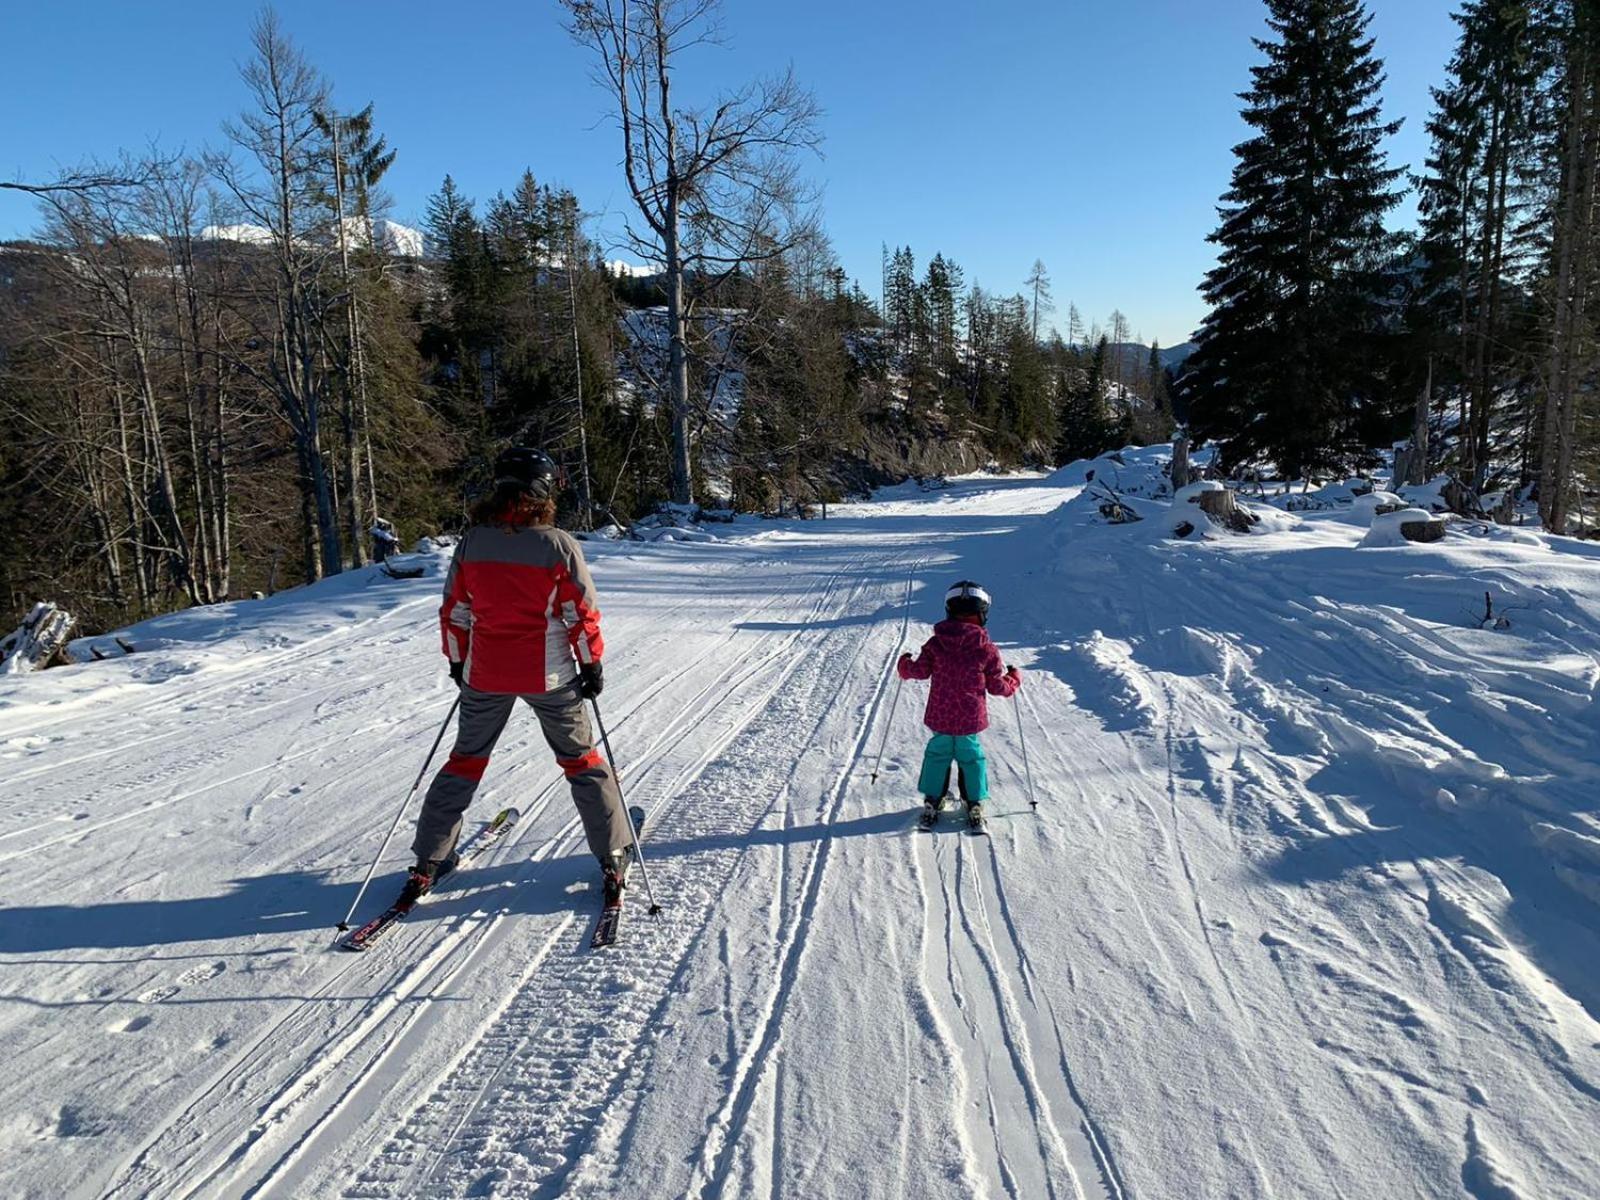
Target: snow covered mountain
[
  {"x": 392, "y": 236},
  {"x": 1310, "y": 905}
]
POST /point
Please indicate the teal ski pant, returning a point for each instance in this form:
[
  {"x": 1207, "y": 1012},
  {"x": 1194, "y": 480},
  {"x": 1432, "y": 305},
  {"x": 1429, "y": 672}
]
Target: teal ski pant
[{"x": 967, "y": 753}]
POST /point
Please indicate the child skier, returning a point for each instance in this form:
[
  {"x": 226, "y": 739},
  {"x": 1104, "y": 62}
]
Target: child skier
[
  {"x": 520, "y": 620},
  {"x": 965, "y": 668}
]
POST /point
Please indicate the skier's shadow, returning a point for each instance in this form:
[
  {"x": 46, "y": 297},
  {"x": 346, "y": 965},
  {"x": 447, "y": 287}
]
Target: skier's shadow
[
  {"x": 286, "y": 903},
  {"x": 293, "y": 902},
  {"x": 900, "y": 820}
]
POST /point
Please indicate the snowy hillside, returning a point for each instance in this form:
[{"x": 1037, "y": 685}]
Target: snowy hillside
[{"x": 1309, "y": 905}]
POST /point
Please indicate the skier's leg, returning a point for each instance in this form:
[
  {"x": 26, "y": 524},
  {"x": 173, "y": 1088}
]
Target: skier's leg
[
  {"x": 565, "y": 722},
  {"x": 935, "y": 776},
  {"x": 483, "y": 716},
  {"x": 974, "y": 766}
]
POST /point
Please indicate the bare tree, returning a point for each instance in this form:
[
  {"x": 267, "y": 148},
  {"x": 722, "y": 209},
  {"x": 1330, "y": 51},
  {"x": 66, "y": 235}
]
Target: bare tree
[
  {"x": 717, "y": 187},
  {"x": 105, "y": 270},
  {"x": 128, "y": 172},
  {"x": 357, "y": 161},
  {"x": 1038, "y": 281},
  {"x": 278, "y": 187}
]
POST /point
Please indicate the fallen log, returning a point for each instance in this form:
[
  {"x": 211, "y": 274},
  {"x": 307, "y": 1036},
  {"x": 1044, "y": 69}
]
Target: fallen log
[{"x": 39, "y": 642}]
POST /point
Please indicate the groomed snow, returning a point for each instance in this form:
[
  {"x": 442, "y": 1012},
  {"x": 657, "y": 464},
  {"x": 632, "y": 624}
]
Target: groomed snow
[{"x": 1308, "y": 907}]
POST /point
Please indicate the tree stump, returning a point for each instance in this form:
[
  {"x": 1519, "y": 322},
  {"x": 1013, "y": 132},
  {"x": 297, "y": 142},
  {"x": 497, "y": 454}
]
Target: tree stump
[
  {"x": 1431, "y": 530},
  {"x": 1180, "y": 463},
  {"x": 1404, "y": 462},
  {"x": 1223, "y": 508},
  {"x": 38, "y": 642}
]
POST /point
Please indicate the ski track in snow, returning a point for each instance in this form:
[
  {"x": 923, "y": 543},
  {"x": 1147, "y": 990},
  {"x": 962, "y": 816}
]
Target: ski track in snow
[{"x": 1307, "y": 907}]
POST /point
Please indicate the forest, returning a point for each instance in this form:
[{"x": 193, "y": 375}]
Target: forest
[{"x": 219, "y": 372}]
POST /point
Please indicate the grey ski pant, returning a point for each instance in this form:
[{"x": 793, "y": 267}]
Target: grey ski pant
[{"x": 566, "y": 727}]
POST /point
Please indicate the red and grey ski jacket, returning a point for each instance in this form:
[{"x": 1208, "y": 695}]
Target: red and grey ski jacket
[
  {"x": 520, "y": 609},
  {"x": 966, "y": 670}
]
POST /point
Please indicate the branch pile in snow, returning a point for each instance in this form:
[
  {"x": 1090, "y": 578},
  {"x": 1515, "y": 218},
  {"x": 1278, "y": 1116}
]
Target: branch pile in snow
[
  {"x": 1112, "y": 506},
  {"x": 674, "y": 523},
  {"x": 38, "y": 642}
]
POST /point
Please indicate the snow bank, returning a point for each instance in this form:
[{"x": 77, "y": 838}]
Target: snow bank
[
  {"x": 1364, "y": 508},
  {"x": 1139, "y": 471},
  {"x": 1428, "y": 495},
  {"x": 221, "y": 634}
]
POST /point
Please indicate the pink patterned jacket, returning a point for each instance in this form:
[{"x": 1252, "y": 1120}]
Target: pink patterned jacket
[{"x": 966, "y": 669}]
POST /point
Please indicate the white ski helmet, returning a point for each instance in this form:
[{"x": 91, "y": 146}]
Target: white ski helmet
[{"x": 967, "y": 599}]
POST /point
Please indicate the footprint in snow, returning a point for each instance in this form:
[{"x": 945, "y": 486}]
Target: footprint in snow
[{"x": 192, "y": 976}]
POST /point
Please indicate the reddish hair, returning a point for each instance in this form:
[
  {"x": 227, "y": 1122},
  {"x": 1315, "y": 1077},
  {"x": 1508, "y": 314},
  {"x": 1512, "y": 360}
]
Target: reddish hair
[{"x": 513, "y": 508}]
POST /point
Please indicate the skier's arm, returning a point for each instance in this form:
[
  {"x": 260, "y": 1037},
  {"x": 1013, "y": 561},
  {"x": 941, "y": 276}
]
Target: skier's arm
[
  {"x": 455, "y": 614},
  {"x": 999, "y": 679},
  {"x": 920, "y": 667},
  {"x": 580, "y": 607}
]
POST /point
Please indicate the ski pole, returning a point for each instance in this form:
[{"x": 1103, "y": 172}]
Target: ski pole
[
  {"x": 345, "y": 924},
  {"x": 905, "y": 623},
  {"x": 1022, "y": 735},
  {"x": 883, "y": 742},
  {"x": 633, "y": 832}
]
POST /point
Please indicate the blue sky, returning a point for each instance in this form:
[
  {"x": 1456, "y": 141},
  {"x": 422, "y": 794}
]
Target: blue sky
[{"x": 1095, "y": 136}]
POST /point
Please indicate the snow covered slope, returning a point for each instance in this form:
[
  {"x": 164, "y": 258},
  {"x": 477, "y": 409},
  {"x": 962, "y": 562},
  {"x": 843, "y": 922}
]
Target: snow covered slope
[{"x": 1308, "y": 906}]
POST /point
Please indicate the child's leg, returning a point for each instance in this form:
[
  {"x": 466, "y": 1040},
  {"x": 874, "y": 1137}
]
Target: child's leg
[
  {"x": 936, "y": 766},
  {"x": 974, "y": 765}
]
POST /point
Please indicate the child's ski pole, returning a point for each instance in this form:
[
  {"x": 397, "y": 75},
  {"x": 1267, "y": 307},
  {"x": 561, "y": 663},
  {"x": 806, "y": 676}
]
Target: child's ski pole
[
  {"x": 1022, "y": 735},
  {"x": 883, "y": 742},
  {"x": 905, "y": 624}
]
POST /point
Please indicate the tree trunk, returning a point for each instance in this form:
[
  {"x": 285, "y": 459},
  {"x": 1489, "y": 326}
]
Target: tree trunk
[
  {"x": 682, "y": 478},
  {"x": 1552, "y": 484},
  {"x": 1418, "y": 472},
  {"x": 130, "y": 489},
  {"x": 354, "y": 382}
]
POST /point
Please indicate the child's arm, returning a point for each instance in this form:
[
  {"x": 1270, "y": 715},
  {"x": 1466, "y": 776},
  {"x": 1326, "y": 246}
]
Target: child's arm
[
  {"x": 998, "y": 679},
  {"x": 920, "y": 667}
]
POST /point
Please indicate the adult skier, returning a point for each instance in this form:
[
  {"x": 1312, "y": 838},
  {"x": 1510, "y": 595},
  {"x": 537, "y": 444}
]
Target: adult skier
[
  {"x": 520, "y": 620},
  {"x": 966, "y": 669}
]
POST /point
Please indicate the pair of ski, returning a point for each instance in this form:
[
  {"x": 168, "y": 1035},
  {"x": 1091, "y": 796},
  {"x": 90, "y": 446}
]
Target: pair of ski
[
  {"x": 605, "y": 932},
  {"x": 977, "y": 823}
]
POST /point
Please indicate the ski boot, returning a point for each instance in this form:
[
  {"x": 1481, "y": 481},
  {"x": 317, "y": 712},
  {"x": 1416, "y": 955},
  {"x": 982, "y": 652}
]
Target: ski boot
[
  {"x": 930, "y": 811},
  {"x": 614, "y": 879},
  {"x": 425, "y": 876},
  {"x": 419, "y": 882},
  {"x": 976, "y": 822}
]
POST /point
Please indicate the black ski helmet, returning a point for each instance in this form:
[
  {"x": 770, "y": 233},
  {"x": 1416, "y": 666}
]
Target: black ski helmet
[
  {"x": 533, "y": 471},
  {"x": 966, "y": 599}
]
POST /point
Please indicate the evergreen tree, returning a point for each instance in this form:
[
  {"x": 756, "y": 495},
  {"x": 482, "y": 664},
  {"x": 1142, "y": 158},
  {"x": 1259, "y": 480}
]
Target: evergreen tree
[
  {"x": 900, "y": 297},
  {"x": 1481, "y": 177},
  {"x": 1285, "y": 366},
  {"x": 1156, "y": 381},
  {"x": 1085, "y": 427}
]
